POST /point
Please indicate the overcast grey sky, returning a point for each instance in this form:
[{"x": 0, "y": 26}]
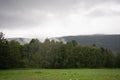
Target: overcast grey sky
[{"x": 53, "y": 18}]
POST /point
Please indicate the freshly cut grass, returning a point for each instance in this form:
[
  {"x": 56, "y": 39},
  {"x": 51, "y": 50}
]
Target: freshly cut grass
[{"x": 60, "y": 74}]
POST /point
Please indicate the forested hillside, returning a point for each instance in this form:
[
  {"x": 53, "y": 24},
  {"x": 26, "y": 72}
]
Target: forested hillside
[
  {"x": 52, "y": 54},
  {"x": 111, "y": 42}
]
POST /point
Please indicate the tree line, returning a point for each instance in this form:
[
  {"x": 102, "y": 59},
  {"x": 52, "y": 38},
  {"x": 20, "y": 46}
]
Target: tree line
[{"x": 52, "y": 54}]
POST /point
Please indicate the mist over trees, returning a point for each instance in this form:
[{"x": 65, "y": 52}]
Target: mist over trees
[{"x": 52, "y": 54}]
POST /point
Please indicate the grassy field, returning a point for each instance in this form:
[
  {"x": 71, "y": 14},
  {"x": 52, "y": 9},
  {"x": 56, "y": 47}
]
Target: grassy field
[{"x": 60, "y": 74}]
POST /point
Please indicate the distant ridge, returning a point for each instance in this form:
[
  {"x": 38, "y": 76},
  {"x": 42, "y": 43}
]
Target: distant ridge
[{"x": 111, "y": 42}]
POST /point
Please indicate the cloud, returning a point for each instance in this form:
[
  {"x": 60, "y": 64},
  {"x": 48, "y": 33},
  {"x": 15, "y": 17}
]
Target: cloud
[
  {"x": 106, "y": 9},
  {"x": 22, "y": 19},
  {"x": 59, "y": 17}
]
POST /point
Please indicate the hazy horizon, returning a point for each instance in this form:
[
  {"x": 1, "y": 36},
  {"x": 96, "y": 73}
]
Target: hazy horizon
[
  {"x": 56, "y": 18},
  {"x": 45, "y": 37}
]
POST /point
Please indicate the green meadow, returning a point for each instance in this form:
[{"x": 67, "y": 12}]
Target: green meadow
[{"x": 60, "y": 74}]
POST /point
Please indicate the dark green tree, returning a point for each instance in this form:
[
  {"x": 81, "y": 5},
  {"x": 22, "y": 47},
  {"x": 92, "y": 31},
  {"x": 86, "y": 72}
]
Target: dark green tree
[
  {"x": 118, "y": 60},
  {"x": 14, "y": 54},
  {"x": 4, "y": 56}
]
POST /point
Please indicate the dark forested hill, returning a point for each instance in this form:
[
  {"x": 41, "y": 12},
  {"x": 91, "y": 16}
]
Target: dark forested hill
[
  {"x": 111, "y": 42},
  {"x": 107, "y": 41}
]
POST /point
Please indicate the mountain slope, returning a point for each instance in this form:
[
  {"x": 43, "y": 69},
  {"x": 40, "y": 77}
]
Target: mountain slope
[{"x": 111, "y": 42}]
